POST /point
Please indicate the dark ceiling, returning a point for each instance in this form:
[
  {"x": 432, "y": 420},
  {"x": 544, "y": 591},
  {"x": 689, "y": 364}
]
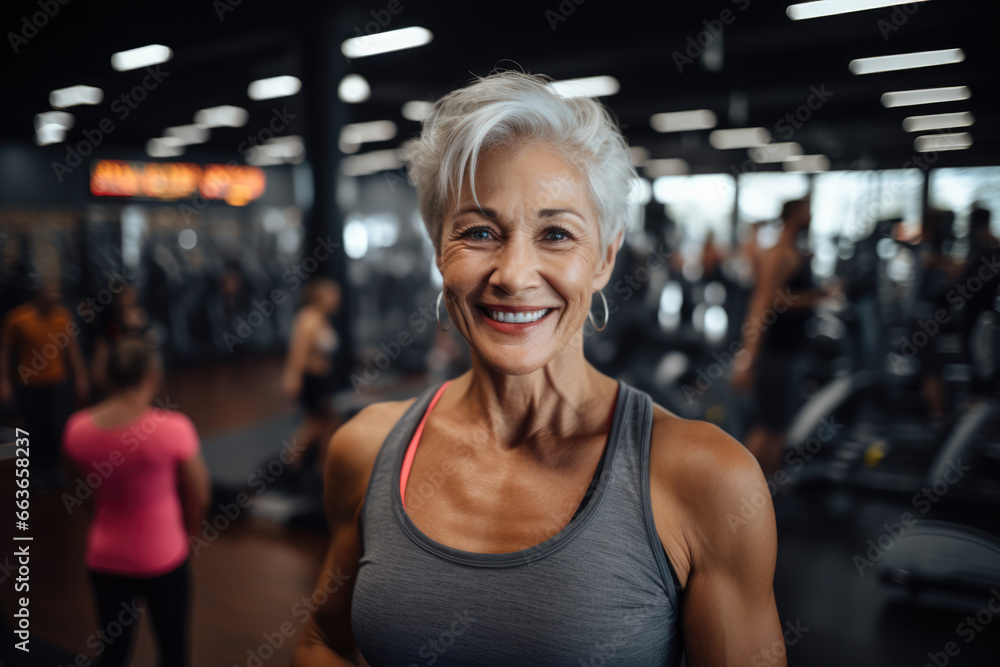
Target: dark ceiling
[{"x": 770, "y": 64}]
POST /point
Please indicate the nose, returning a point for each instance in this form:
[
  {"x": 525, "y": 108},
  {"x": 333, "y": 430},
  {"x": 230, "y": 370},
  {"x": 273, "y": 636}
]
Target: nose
[{"x": 516, "y": 266}]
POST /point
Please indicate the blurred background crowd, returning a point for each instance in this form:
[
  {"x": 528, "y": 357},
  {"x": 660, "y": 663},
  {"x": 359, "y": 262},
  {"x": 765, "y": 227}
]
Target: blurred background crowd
[{"x": 225, "y": 182}]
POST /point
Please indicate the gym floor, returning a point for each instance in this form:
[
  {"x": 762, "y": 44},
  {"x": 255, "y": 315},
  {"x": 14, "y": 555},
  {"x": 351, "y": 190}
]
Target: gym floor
[{"x": 248, "y": 581}]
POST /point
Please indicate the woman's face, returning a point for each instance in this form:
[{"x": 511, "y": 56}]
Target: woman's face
[{"x": 530, "y": 256}]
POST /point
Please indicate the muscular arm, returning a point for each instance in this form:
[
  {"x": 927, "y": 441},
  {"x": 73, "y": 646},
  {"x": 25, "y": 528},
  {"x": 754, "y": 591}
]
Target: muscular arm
[
  {"x": 807, "y": 298},
  {"x": 776, "y": 267},
  {"x": 327, "y": 640},
  {"x": 729, "y": 544}
]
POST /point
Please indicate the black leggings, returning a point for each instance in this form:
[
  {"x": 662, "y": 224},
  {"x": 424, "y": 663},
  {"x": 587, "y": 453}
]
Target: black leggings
[{"x": 120, "y": 600}]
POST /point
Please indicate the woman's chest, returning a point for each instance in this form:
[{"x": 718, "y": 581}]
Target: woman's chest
[
  {"x": 576, "y": 606},
  {"x": 462, "y": 498}
]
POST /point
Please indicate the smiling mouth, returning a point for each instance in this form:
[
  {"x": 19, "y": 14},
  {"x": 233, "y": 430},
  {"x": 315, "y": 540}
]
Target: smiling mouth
[{"x": 526, "y": 317}]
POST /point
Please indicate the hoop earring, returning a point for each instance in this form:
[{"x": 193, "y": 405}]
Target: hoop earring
[
  {"x": 607, "y": 315},
  {"x": 437, "y": 312}
]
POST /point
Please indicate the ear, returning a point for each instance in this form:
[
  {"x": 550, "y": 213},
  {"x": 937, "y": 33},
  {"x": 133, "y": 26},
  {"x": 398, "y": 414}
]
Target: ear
[{"x": 602, "y": 272}]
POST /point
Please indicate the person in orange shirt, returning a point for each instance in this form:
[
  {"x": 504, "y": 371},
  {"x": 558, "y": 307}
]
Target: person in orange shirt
[{"x": 38, "y": 343}]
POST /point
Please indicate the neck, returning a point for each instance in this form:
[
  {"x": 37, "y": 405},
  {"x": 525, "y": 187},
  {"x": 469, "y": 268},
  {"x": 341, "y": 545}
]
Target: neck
[
  {"x": 131, "y": 399},
  {"x": 565, "y": 398}
]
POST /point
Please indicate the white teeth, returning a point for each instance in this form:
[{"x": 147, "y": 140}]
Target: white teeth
[{"x": 517, "y": 318}]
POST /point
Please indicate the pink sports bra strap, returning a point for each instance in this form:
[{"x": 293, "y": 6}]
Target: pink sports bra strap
[{"x": 411, "y": 450}]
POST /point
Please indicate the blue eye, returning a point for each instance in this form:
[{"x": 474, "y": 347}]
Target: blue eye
[
  {"x": 478, "y": 234},
  {"x": 556, "y": 235}
]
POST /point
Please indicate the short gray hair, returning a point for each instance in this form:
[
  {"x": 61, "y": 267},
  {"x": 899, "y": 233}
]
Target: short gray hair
[{"x": 512, "y": 108}]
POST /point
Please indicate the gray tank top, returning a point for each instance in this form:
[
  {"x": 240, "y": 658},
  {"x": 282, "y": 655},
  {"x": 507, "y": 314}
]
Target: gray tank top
[{"x": 599, "y": 592}]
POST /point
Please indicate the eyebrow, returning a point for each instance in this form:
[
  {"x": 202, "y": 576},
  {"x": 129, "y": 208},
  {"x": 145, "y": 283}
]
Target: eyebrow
[
  {"x": 551, "y": 212},
  {"x": 488, "y": 212},
  {"x": 491, "y": 214}
]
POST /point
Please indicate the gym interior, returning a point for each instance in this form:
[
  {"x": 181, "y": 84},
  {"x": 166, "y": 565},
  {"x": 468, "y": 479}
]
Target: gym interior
[{"x": 196, "y": 165}]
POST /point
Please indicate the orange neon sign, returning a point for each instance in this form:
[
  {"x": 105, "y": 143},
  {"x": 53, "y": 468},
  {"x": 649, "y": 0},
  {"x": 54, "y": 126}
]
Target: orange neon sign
[{"x": 237, "y": 185}]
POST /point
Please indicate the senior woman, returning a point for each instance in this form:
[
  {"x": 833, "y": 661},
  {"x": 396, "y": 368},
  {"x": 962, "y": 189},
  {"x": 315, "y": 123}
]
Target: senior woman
[{"x": 550, "y": 514}]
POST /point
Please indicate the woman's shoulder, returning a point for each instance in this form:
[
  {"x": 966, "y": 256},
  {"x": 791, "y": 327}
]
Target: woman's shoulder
[
  {"x": 352, "y": 453},
  {"x": 358, "y": 440},
  {"x": 76, "y": 421},
  {"x": 707, "y": 474}
]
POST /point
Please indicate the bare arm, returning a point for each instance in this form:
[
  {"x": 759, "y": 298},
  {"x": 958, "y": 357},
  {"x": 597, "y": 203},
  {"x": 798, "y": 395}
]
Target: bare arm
[
  {"x": 327, "y": 639},
  {"x": 196, "y": 491},
  {"x": 303, "y": 333},
  {"x": 808, "y": 298},
  {"x": 776, "y": 268},
  {"x": 729, "y": 613}
]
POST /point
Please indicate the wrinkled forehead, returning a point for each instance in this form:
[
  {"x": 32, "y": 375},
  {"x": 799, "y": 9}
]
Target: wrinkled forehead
[{"x": 535, "y": 175}]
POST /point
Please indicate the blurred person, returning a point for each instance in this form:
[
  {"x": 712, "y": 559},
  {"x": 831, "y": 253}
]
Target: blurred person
[
  {"x": 746, "y": 257},
  {"x": 711, "y": 258},
  {"x": 124, "y": 319},
  {"x": 308, "y": 369},
  {"x": 774, "y": 334},
  {"x": 982, "y": 268},
  {"x": 153, "y": 495},
  {"x": 936, "y": 273},
  {"x": 549, "y": 509},
  {"x": 39, "y": 345}
]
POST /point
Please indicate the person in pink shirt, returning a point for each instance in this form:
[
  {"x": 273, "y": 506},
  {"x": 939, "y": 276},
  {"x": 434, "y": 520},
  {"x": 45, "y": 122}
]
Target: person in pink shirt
[{"x": 150, "y": 492}]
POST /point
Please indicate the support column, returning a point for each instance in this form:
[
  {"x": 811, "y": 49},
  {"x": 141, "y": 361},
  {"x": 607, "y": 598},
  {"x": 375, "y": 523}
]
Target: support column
[{"x": 323, "y": 66}]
